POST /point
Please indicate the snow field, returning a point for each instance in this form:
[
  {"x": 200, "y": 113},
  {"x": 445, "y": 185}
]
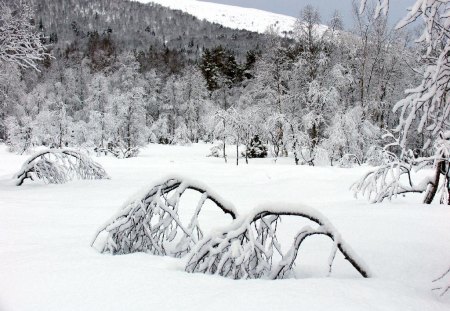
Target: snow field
[
  {"x": 230, "y": 16},
  {"x": 46, "y": 262}
]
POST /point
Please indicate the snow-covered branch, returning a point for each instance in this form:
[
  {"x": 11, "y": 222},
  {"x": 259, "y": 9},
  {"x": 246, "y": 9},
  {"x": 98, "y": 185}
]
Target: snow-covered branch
[
  {"x": 382, "y": 6},
  {"x": 247, "y": 249},
  {"x": 428, "y": 103},
  {"x": 58, "y": 166},
  {"x": 150, "y": 221},
  {"x": 395, "y": 176},
  {"x": 19, "y": 42}
]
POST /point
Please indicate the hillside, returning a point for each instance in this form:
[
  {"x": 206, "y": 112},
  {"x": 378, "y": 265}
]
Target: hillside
[
  {"x": 136, "y": 26},
  {"x": 231, "y": 16}
]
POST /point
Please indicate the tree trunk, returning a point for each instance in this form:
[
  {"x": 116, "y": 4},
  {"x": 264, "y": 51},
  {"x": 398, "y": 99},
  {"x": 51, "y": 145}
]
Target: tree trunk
[
  {"x": 447, "y": 184},
  {"x": 224, "y": 150},
  {"x": 246, "y": 153},
  {"x": 237, "y": 151},
  {"x": 224, "y": 143},
  {"x": 433, "y": 187}
]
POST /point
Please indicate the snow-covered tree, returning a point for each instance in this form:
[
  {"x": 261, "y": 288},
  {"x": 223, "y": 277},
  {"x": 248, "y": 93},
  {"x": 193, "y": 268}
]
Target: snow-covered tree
[
  {"x": 58, "y": 166},
  {"x": 194, "y": 97},
  {"x": 19, "y": 42},
  {"x": 101, "y": 119},
  {"x": 429, "y": 103},
  {"x": 132, "y": 132},
  {"x": 150, "y": 222},
  {"x": 350, "y": 137},
  {"x": 20, "y": 134},
  {"x": 249, "y": 248}
]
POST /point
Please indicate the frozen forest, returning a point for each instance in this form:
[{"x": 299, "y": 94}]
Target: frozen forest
[{"x": 327, "y": 146}]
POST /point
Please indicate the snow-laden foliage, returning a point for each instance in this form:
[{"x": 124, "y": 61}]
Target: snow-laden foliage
[
  {"x": 105, "y": 91},
  {"x": 19, "y": 134},
  {"x": 350, "y": 135},
  {"x": 19, "y": 42},
  {"x": 58, "y": 166},
  {"x": 382, "y": 6},
  {"x": 255, "y": 149},
  {"x": 395, "y": 176},
  {"x": 429, "y": 103},
  {"x": 150, "y": 221},
  {"x": 249, "y": 247},
  {"x": 425, "y": 110}
]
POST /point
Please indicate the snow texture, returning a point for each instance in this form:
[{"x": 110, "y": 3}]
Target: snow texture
[
  {"x": 233, "y": 16},
  {"x": 47, "y": 263}
]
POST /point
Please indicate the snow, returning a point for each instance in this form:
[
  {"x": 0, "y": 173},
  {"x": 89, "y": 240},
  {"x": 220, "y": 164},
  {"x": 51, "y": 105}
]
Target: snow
[
  {"x": 232, "y": 16},
  {"x": 47, "y": 263}
]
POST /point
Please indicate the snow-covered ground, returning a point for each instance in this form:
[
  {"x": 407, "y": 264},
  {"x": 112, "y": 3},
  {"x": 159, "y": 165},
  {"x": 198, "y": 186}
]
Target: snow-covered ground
[
  {"x": 46, "y": 262},
  {"x": 232, "y": 16}
]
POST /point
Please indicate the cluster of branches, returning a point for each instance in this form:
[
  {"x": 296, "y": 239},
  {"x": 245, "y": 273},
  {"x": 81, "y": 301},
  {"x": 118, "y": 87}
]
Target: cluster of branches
[
  {"x": 58, "y": 166},
  {"x": 150, "y": 222},
  {"x": 19, "y": 42},
  {"x": 396, "y": 177},
  {"x": 425, "y": 110},
  {"x": 246, "y": 250}
]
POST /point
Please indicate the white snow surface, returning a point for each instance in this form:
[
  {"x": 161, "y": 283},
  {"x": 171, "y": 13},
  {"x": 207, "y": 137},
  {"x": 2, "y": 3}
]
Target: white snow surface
[
  {"x": 232, "y": 16},
  {"x": 46, "y": 262}
]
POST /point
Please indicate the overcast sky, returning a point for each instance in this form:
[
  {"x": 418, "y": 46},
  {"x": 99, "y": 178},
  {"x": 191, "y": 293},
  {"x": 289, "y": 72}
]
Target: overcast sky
[{"x": 326, "y": 7}]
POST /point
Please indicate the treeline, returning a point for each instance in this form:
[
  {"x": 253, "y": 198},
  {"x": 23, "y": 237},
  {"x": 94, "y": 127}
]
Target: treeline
[{"x": 317, "y": 96}]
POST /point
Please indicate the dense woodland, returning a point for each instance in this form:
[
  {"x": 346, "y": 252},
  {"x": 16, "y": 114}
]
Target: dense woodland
[{"x": 122, "y": 74}]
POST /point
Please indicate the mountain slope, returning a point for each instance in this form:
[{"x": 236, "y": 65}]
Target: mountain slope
[
  {"x": 74, "y": 24},
  {"x": 232, "y": 16}
]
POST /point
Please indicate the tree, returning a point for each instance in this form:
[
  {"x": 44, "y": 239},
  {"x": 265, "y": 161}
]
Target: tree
[
  {"x": 101, "y": 121},
  {"x": 58, "y": 166},
  {"x": 20, "y": 134},
  {"x": 128, "y": 108},
  {"x": 249, "y": 248},
  {"x": 241, "y": 126},
  {"x": 19, "y": 43},
  {"x": 429, "y": 103},
  {"x": 150, "y": 222}
]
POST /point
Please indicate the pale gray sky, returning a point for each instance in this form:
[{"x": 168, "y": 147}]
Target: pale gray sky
[{"x": 326, "y": 7}]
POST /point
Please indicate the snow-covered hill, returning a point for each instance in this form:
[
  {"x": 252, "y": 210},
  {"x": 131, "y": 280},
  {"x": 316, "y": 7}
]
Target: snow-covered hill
[{"x": 232, "y": 16}]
